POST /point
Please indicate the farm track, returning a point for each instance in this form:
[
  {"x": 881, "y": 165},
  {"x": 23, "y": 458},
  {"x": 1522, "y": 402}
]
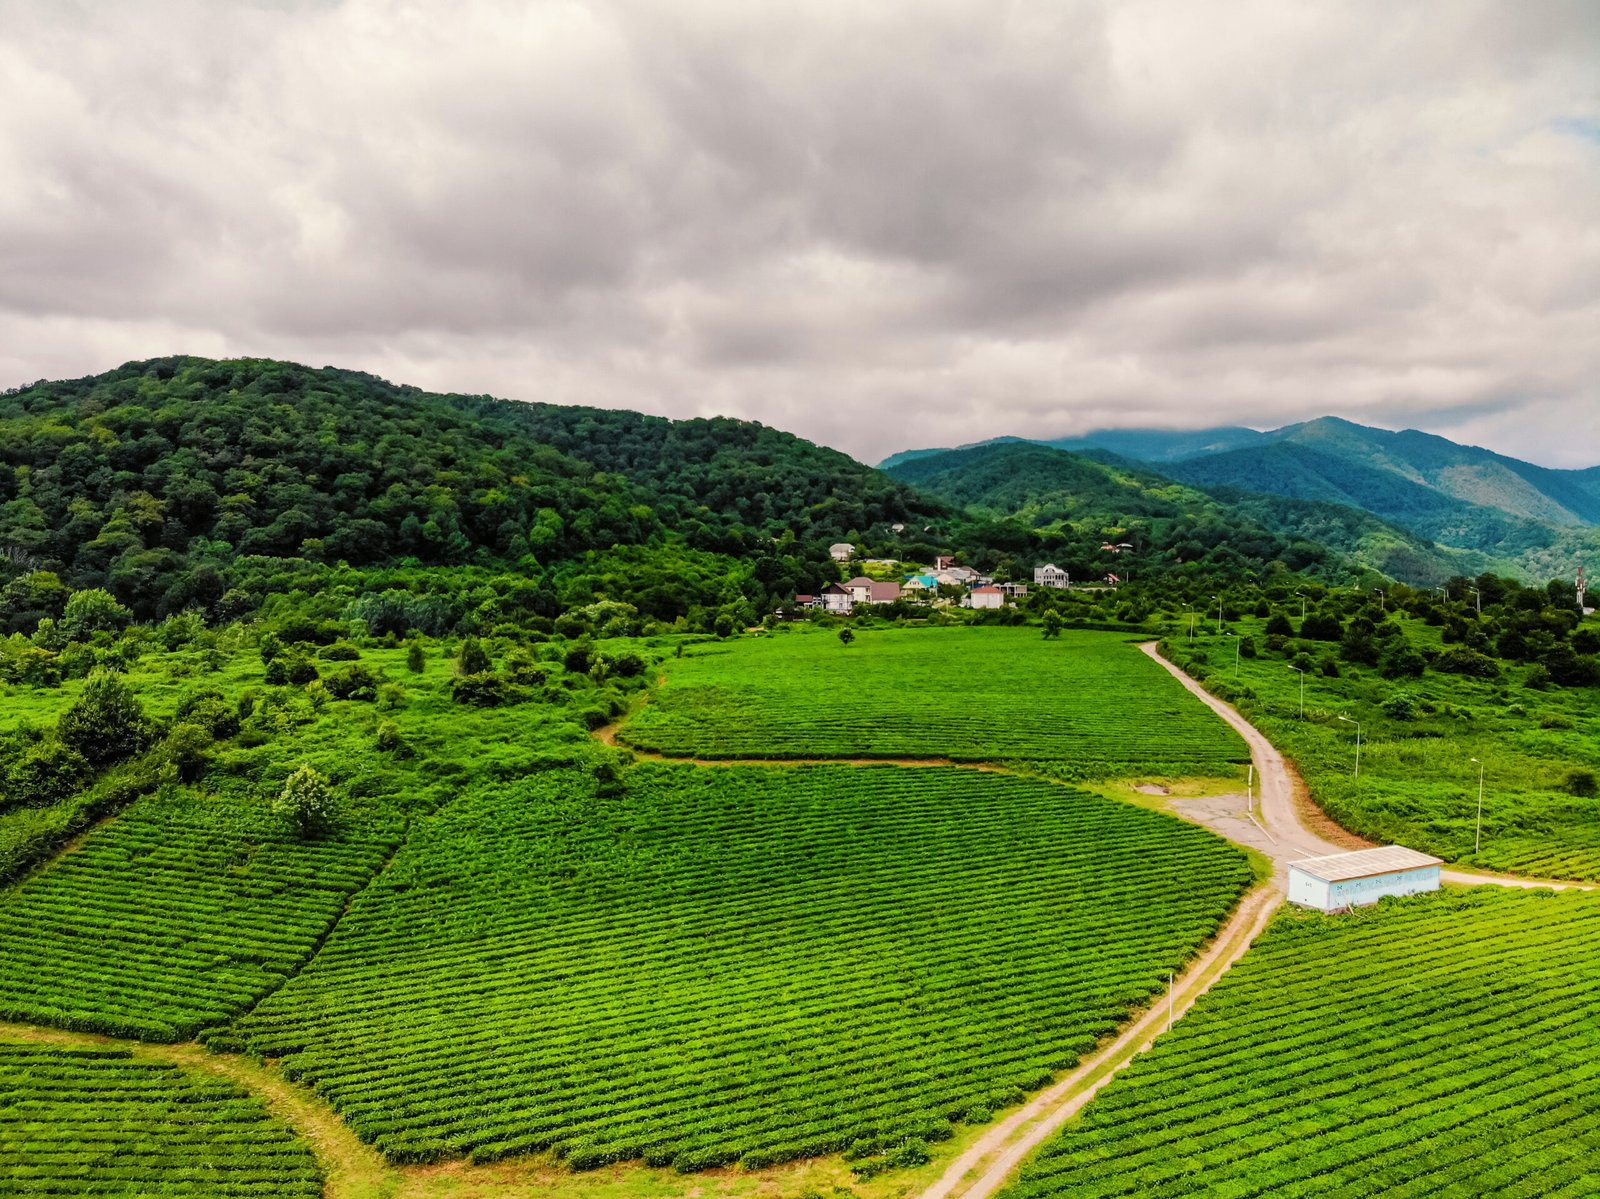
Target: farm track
[{"x": 355, "y": 1170}]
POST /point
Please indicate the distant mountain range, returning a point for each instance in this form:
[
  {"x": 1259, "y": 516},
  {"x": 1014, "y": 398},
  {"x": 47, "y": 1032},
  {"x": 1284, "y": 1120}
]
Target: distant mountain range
[{"x": 1484, "y": 510}]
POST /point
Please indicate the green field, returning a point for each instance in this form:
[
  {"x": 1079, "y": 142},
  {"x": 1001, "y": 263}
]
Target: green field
[
  {"x": 99, "y": 1122},
  {"x": 1441, "y": 1045},
  {"x": 1088, "y": 700},
  {"x": 1418, "y": 784},
  {"x": 755, "y": 963}
]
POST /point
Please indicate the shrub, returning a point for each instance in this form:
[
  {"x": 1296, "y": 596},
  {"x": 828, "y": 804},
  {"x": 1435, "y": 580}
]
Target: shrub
[
  {"x": 391, "y": 741},
  {"x": 1581, "y": 781},
  {"x": 47, "y": 771},
  {"x": 340, "y": 651},
  {"x": 1400, "y": 661},
  {"x": 1329, "y": 666},
  {"x": 1538, "y": 679},
  {"x": 357, "y": 681},
  {"x": 1469, "y": 662},
  {"x": 472, "y": 658},
  {"x": 1321, "y": 626},
  {"x": 186, "y": 752},
  {"x": 391, "y": 696},
  {"x": 1279, "y": 626},
  {"x": 106, "y": 723},
  {"x": 416, "y": 659},
  {"x": 208, "y": 709},
  {"x": 483, "y": 690},
  {"x": 270, "y": 648},
  {"x": 277, "y": 672},
  {"x": 300, "y": 669},
  {"x": 306, "y": 802},
  {"x": 1402, "y": 705}
]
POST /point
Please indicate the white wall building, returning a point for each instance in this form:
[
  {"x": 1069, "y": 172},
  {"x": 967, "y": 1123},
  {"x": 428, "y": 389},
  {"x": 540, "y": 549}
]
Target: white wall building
[
  {"x": 1343, "y": 880},
  {"x": 837, "y": 599},
  {"x": 984, "y": 597},
  {"x": 841, "y": 551},
  {"x": 1051, "y": 575}
]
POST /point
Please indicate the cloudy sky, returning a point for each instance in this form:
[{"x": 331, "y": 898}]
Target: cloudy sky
[{"x": 883, "y": 224}]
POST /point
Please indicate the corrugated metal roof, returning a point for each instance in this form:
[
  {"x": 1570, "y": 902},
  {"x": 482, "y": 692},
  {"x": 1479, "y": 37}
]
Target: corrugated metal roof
[{"x": 1364, "y": 863}]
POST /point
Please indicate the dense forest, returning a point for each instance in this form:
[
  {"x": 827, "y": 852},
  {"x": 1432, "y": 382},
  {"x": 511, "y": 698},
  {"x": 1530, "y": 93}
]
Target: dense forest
[{"x": 184, "y": 483}]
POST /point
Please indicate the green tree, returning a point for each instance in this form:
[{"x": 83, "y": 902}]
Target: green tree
[
  {"x": 93, "y": 611},
  {"x": 306, "y": 802},
  {"x": 1052, "y": 623},
  {"x": 106, "y": 723},
  {"x": 846, "y": 637},
  {"x": 416, "y": 659}
]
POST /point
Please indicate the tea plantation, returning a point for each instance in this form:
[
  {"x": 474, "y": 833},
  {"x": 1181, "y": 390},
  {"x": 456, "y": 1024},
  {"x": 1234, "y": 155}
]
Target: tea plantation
[
  {"x": 99, "y": 1122},
  {"x": 1087, "y": 699},
  {"x": 1443, "y": 1045},
  {"x": 711, "y": 964}
]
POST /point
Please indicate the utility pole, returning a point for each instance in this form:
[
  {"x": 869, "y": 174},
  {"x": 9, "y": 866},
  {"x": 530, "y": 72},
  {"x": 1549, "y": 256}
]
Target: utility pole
[
  {"x": 1357, "y": 723},
  {"x": 1477, "y": 839}
]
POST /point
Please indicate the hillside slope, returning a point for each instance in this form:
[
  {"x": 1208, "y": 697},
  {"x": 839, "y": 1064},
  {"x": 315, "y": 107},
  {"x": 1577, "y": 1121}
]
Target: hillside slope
[
  {"x": 153, "y": 479},
  {"x": 1097, "y": 496}
]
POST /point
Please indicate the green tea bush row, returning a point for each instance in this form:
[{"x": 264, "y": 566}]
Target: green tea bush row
[
  {"x": 1439, "y": 1045},
  {"x": 709, "y": 965},
  {"x": 176, "y": 915},
  {"x": 964, "y": 694},
  {"x": 100, "y": 1122}
]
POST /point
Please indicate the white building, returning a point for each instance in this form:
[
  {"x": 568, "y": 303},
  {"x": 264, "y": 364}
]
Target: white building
[
  {"x": 1343, "y": 880},
  {"x": 1051, "y": 575},
  {"x": 984, "y": 597},
  {"x": 1014, "y": 590},
  {"x": 837, "y": 599},
  {"x": 841, "y": 551}
]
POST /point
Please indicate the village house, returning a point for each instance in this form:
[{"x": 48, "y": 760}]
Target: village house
[
  {"x": 1014, "y": 590},
  {"x": 984, "y": 597},
  {"x": 943, "y": 562},
  {"x": 807, "y": 601},
  {"x": 860, "y": 589},
  {"x": 1051, "y": 575},
  {"x": 841, "y": 551},
  {"x": 884, "y": 593},
  {"x": 837, "y": 599},
  {"x": 920, "y": 585}
]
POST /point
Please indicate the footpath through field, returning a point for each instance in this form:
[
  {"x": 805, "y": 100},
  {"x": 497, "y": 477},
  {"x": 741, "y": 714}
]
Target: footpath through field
[{"x": 1277, "y": 827}]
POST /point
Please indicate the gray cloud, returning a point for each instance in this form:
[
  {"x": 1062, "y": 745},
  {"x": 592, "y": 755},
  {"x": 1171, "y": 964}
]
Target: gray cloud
[{"x": 911, "y": 222}]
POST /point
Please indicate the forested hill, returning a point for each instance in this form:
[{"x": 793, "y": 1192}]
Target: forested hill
[
  {"x": 155, "y": 478},
  {"x": 1095, "y": 493}
]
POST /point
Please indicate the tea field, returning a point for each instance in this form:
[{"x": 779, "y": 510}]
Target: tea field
[
  {"x": 756, "y": 964},
  {"x": 99, "y": 1122},
  {"x": 177, "y": 914},
  {"x": 1089, "y": 700},
  {"x": 1443, "y": 1045}
]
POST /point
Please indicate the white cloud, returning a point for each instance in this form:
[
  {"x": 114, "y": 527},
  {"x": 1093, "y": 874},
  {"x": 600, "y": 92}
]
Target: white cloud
[{"x": 911, "y": 222}]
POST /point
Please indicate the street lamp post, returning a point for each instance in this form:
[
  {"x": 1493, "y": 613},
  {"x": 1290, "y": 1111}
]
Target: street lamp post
[
  {"x": 1189, "y": 608},
  {"x": 1218, "y": 598},
  {"x": 1302, "y": 675},
  {"x": 1357, "y": 723},
  {"x": 1477, "y": 599},
  {"x": 1235, "y": 637},
  {"x": 1302, "y": 596},
  {"x": 1477, "y": 838}
]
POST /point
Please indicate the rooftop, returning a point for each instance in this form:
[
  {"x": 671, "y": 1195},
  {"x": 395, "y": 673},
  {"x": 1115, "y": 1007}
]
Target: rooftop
[{"x": 1364, "y": 863}]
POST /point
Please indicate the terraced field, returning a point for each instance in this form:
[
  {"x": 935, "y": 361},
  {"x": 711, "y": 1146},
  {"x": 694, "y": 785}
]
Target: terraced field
[
  {"x": 1089, "y": 700},
  {"x": 176, "y": 915},
  {"x": 98, "y": 1122},
  {"x": 1445, "y": 1045},
  {"x": 744, "y": 963}
]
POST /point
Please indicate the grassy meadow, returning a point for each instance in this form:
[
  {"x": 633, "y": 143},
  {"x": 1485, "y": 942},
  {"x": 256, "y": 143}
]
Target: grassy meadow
[{"x": 1086, "y": 701}]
